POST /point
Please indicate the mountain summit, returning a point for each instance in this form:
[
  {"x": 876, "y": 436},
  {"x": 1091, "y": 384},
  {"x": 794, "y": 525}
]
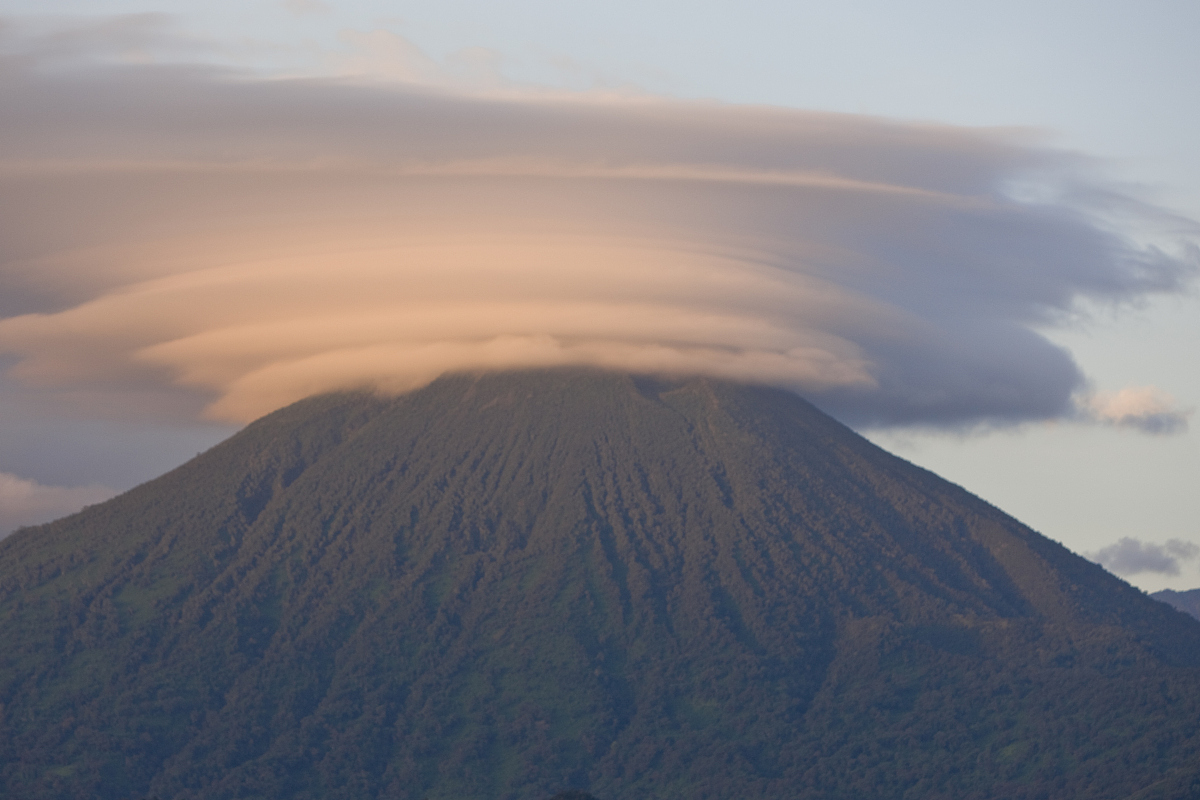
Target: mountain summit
[{"x": 505, "y": 585}]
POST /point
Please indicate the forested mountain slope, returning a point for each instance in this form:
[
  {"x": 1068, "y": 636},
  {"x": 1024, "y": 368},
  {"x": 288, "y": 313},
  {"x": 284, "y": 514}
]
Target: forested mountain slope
[{"x": 504, "y": 585}]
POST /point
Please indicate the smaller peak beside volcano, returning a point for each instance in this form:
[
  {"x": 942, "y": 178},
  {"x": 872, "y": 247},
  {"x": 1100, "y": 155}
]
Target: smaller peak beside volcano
[
  {"x": 1187, "y": 602},
  {"x": 503, "y": 584}
]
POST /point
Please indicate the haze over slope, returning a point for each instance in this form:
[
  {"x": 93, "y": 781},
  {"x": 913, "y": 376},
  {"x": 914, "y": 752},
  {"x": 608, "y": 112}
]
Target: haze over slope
[{"x": 501, "y": 585}]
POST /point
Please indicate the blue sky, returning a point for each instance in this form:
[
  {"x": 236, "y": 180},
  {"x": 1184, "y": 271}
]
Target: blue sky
[{"x": 1111, "y": 80}]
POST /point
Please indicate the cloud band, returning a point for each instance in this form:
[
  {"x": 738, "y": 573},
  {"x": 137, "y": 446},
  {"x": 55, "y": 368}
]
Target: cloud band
[{"x": 258, "y": 240}]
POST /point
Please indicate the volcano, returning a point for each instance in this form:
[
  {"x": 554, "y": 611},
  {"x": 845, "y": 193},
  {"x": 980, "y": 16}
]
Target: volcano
[{"x": 508, "y": 585}]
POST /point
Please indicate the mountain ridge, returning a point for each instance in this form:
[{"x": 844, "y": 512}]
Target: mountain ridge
[
  {"x": 505, "y": 584},
  {"x": 1186, "y": 601}
]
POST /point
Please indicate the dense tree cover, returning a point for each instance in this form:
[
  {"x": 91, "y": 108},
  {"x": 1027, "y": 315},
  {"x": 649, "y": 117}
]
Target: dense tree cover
[{"x": 502, "y": 585}]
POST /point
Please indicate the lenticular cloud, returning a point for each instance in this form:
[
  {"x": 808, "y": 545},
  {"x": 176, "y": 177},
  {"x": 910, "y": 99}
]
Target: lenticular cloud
[{"x": 256, "y": 241}]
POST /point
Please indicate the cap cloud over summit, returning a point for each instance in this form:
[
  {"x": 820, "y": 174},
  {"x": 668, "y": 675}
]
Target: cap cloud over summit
[{"x": 175, "y": 234}]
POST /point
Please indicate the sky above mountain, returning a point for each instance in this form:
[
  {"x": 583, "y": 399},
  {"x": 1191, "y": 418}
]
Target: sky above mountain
[{"x": 922, "y": 223}]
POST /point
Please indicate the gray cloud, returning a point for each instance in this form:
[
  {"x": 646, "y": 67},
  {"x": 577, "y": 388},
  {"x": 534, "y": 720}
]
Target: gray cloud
[
  {"x": 55, "y": 42},
  {"x": 1131, "y": 557},
  {"x": 187, "y": 232}
]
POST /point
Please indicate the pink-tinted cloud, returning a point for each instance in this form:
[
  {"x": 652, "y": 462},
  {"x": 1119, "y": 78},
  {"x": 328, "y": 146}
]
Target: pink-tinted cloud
[
  {"x": 187, "y": 232},
  {"x": 1145, "y": 408}
]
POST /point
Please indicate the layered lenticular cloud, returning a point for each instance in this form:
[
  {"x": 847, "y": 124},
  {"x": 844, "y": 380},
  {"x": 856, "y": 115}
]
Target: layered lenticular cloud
[{"x": 185, "y": 231}]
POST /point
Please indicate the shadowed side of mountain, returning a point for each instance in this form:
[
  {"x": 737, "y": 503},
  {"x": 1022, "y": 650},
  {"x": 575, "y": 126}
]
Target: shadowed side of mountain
[{"x": 504, "y": 584}]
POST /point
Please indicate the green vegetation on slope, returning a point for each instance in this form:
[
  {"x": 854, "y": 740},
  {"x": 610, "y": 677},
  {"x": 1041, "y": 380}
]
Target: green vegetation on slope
[{"x": 502, "y": 585}]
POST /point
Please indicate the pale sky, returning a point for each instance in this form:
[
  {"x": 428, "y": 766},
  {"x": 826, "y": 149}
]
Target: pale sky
[{"x": 1110, "y": 80}]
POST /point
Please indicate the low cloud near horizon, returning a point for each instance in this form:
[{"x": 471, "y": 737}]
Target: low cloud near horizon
[
  {"x": 178, "y": 237},
  {"x": 25, "y": 502}
]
